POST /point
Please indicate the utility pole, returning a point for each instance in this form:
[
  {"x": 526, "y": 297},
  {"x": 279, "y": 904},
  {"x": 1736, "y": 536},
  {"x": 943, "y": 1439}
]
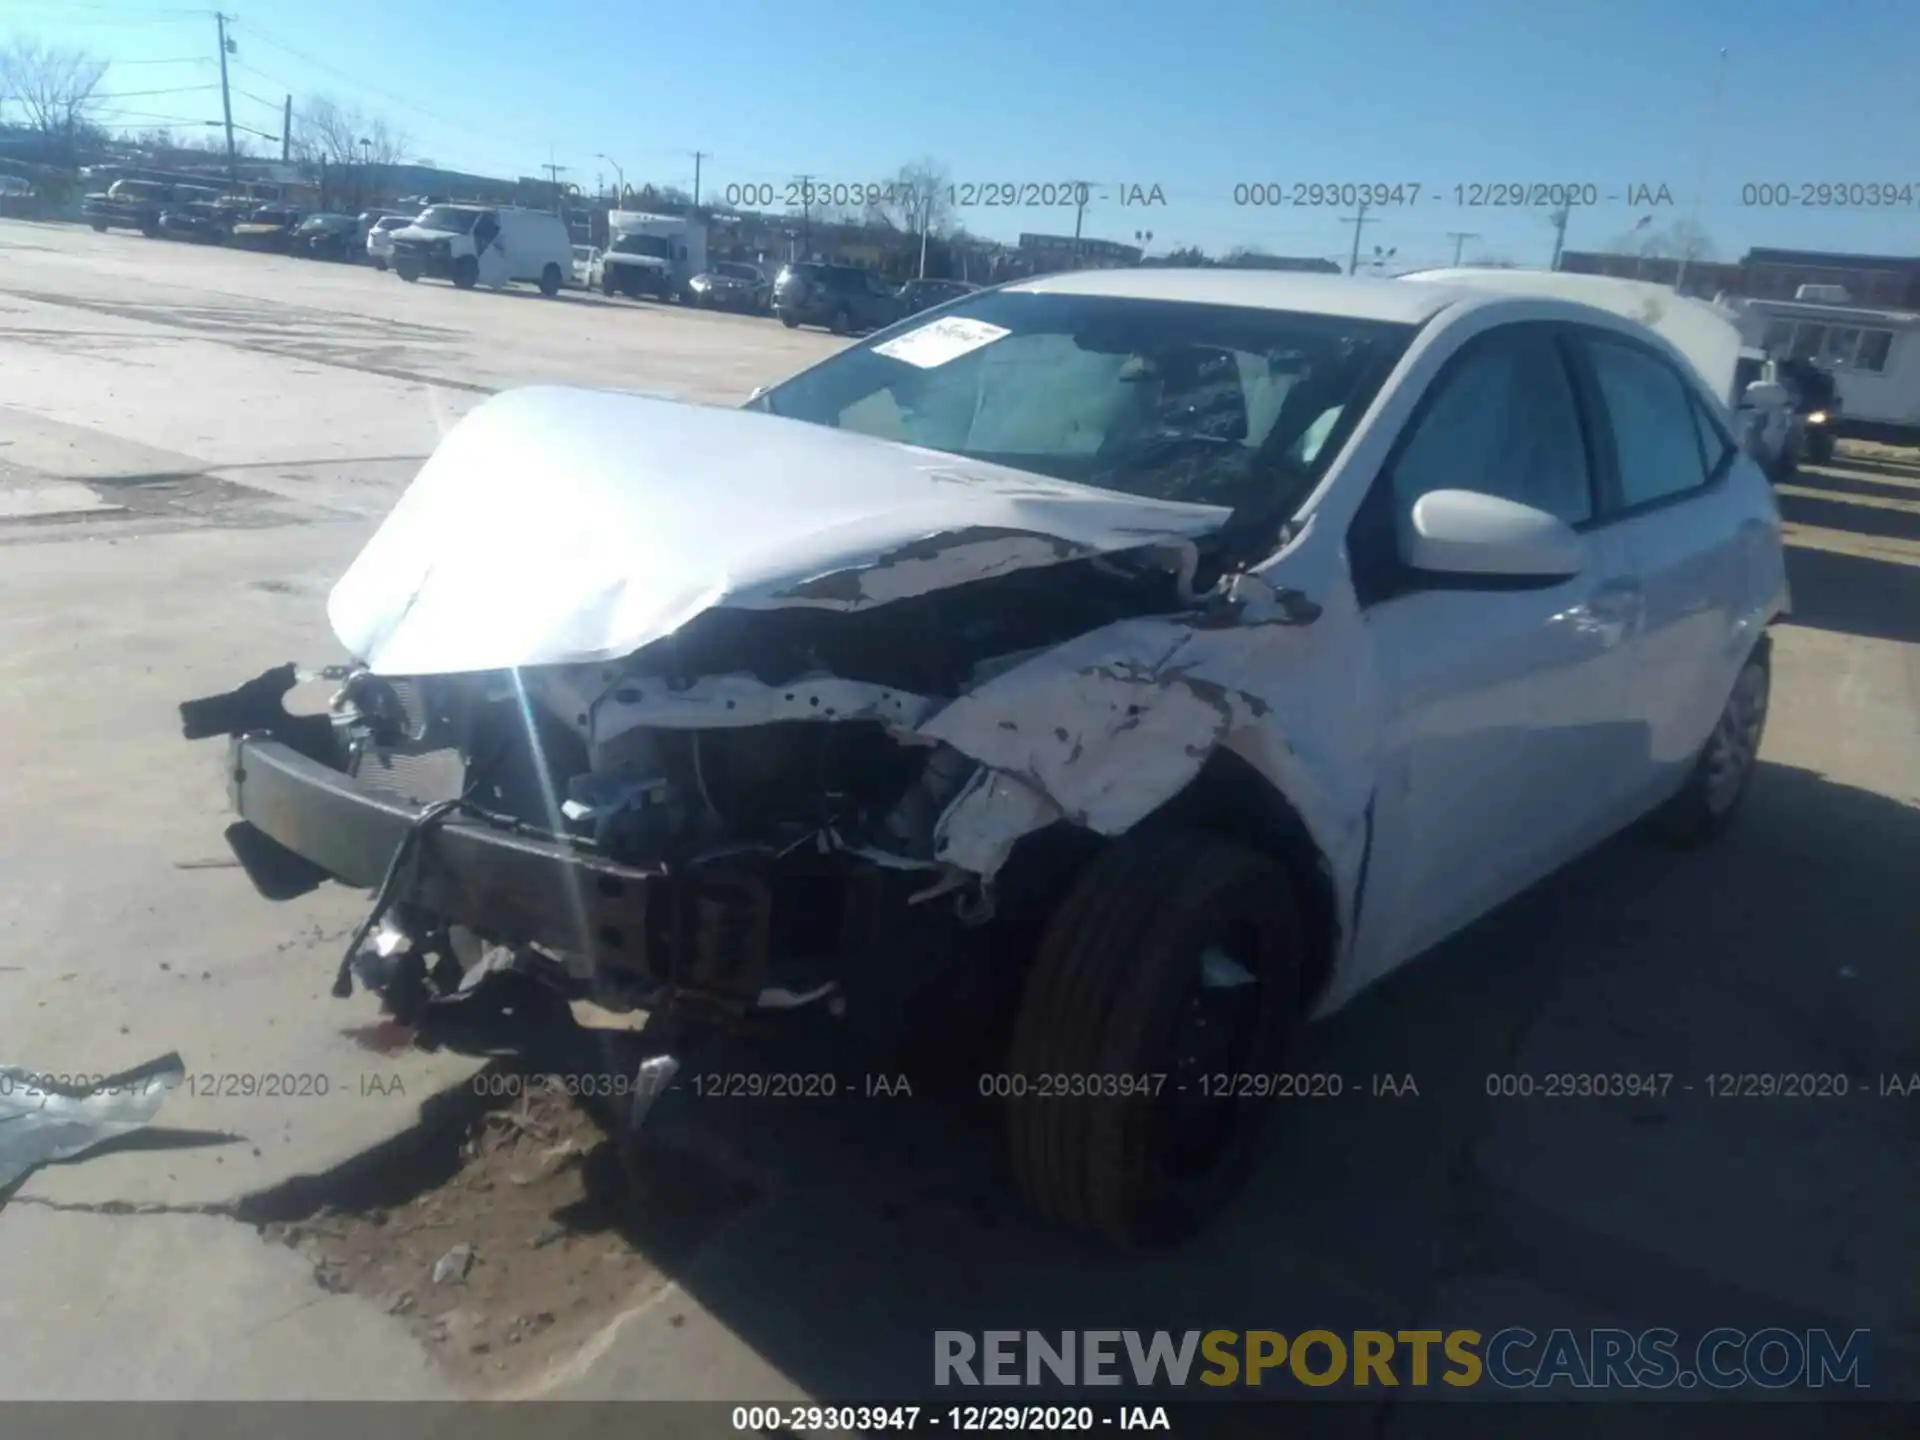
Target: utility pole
[
  {"x": 1706, "y": 151},
  {"x": 553, "y": 179},
  {"x": 226, "y": 100},
  {"x": 1560, "y": 218},
  {"x": 1357, "y": 220},
  {"x": 805, "y": 182},
  {"x": 286, "y": 131},
  {"x": 1459, "y": 239},
  {"x": 1082, "y": 191},
  {"x": 698, "y": 156}
]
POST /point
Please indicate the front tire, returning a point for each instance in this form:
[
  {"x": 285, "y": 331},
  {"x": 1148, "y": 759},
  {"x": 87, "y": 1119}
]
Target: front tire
[
  {"x": 842, "y": 322},
  {"x": 1175, "y": 957},
  {"x": 1820, "y": 449},
  {"x": 792, "y": 322},
  {"x": 408, "y": 273},
  {"x": 466, "y": 272},
  {"x": 1723, "y": 772},
  {"x": 550, "y": 281}
]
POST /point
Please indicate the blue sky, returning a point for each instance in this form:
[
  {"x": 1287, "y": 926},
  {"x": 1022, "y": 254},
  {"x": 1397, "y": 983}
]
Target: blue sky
[{"x": 1194, "y": 99}]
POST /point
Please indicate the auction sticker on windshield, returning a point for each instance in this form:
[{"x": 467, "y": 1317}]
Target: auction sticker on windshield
[{"x": 939, "y": 341}]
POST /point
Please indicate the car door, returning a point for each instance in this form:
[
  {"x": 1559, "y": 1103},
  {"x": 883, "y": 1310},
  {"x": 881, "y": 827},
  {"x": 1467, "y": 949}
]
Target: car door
[
  {"x": 1503, "y": 700},
  {"x": 1665, "y": 464}
]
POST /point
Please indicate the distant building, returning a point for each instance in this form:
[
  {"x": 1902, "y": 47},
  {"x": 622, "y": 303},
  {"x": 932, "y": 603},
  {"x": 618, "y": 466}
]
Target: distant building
[{"x": 1064, "y": 252}]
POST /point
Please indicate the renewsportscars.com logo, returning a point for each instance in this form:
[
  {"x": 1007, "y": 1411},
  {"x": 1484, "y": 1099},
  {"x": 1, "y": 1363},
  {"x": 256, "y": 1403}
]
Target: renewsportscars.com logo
[{"x": 1514, "y": 1358}]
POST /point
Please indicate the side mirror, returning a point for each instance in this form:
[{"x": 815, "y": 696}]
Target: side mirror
[
  {"x": 1764, "y": 395},
  {"x": 1463, "y": 532}
]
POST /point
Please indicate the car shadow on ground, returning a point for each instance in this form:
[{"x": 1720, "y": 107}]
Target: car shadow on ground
[
  {"x": 1786, "y": 948},
  {"x": 1855, "y": 594}
]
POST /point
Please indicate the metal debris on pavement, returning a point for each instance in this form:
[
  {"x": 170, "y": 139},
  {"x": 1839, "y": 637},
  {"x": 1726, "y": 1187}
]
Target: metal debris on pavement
[{"x": 44, "y": 1117}]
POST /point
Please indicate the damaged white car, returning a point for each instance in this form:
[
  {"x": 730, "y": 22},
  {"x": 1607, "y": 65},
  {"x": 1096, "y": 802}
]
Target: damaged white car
[{"x": 1137, "y": 662}]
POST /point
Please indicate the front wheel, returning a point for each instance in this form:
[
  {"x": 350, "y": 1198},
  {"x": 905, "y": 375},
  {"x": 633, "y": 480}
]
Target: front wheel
[
  {"x": 791, "y": 321},
  {"x": 379, "y": 264},
  {"x": 408, "y": 273},
  {"x": 466, "y": 272},
  {"x": 1723, "y": 771},
  {"x": 1171, "y": 973},
  {"x": 1820, "y": 448},
  {"x": 842, "y": 322},
  {"x": 99, "y": 226},
  {"x": 550, "y": 281}
]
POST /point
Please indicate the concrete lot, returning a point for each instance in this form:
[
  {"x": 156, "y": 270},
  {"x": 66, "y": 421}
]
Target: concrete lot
[{"x": 193, "y": 443}]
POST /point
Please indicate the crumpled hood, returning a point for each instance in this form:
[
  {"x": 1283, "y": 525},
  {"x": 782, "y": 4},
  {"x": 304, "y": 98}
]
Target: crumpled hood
[{"x": 557, "y": 526}]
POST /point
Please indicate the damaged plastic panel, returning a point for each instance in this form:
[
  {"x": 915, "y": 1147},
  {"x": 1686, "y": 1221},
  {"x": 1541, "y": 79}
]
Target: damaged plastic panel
[{"x": 43, "y": 1120}]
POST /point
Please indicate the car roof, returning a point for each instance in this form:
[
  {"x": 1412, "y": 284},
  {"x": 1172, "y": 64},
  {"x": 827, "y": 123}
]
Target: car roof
[{"x": 1364, "y": 298}]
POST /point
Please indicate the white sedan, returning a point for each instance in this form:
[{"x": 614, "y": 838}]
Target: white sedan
[{"x": 1136, "y": 662}]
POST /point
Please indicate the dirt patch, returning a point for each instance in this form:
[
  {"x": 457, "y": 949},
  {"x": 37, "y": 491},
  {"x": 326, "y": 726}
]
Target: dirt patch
[{"x": 536, "y": 1240}]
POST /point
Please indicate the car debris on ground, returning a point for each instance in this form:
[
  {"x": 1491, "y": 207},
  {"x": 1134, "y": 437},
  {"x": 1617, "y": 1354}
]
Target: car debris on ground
[{"x": 46, "y": 1118}]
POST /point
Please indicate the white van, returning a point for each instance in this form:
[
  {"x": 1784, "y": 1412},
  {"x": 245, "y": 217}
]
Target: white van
[{"x": 492, "y": 245}]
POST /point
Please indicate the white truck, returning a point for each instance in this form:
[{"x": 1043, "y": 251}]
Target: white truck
[
  {"x": 492, "y": 245},
  {"x": 650, "y": 255}
]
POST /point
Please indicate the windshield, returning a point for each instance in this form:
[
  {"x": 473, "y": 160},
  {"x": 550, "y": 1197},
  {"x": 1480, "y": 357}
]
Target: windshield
[
  {"x": 135, "y": 190},
  {"x": 446, "y": 217},
  {"x": 656, "y": 246},
  {"x": 392, "y": 222},
  {"x": 1206, "y": 404}
]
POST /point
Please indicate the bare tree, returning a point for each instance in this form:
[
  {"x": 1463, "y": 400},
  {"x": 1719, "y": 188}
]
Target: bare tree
[
  {"x": 323, "y": 129},
  {"x": 917, "y": 196},
  {"x": 1682, "y": 240},
  {"x": 54, "y": 88}
]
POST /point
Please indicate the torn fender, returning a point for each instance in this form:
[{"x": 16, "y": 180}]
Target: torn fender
[{"x": 1107, "y": 728}]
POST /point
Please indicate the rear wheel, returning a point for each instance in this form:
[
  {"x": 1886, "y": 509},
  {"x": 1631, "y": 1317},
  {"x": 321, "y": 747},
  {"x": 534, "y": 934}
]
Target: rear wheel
[
  {"x": 99, "y": 226},
  {"x": 1724, "y": 769},
  {"x": 550, "y": 281},
  {"x": 406, "y": 272},
  {"x": 790, "y": 320},
  {"x": 466, "y": 272},
  {"x": 379, "y": 263},
  {"x": 842, "y": 322},
  {"x": 1174, "y": 962}
]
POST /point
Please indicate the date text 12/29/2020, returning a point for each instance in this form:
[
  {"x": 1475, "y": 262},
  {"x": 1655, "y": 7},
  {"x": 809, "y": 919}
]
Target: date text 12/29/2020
[
  {"x": 1054, "y": 194},
  {"x": 1473, "y": 195}
]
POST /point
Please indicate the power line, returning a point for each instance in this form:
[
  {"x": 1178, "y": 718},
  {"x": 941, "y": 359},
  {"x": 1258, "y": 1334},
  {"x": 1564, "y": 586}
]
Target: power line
[{"x": 142, "y": 94}]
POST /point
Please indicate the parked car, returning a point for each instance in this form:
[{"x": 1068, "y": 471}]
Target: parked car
[
  {"x": 732, "y": 285},
  {"x": 268, "y": 227},
  {"x": 1252, "y": 633},
  {"x": 1815, "y": 400},
  {"x": 581, "y": 275},
  {"x": 485, "y": 245},
  {"x": 918, "y": 295},
  {"x": 844, "y": 298},
  {"x": 327, "y": 236},
  {"x": 203, "y": 220},
  {"x": 129, "y": 205},
  {"x": 380, "y": 238}
]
